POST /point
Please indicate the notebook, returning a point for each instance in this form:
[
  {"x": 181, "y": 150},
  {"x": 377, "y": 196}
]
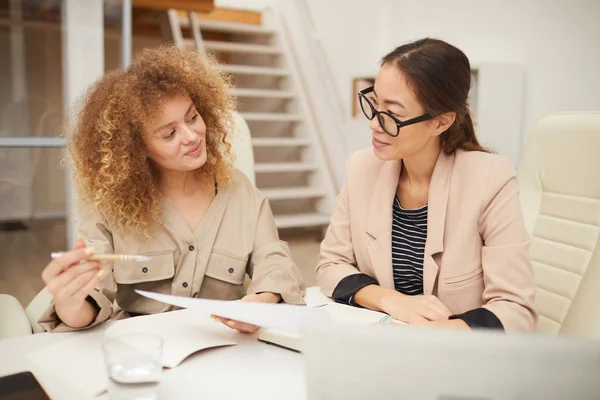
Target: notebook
[
  {"x": 338, "y": 313},
  {"x": 184, "y": 332}
]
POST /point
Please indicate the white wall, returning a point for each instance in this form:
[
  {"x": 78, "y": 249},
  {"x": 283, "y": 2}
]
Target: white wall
[
  {"x": 354, "y": 36},
  {"x": 557, "y": 42}
]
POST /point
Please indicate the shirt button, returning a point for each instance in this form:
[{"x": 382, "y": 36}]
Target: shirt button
[
  {"x": 144, "y": 270},
  {"x": 184, "y": 284},
  {"x": 191, "y": 248},
  {"x": 231, "y": 270}
]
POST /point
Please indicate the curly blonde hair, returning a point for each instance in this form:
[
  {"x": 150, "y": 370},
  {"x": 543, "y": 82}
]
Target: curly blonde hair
[{"x": 111, "y": 171}]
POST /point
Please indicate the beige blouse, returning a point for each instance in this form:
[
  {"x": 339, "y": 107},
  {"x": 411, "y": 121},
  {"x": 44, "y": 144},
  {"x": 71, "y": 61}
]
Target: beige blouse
[{"x": 237, "y": 236}]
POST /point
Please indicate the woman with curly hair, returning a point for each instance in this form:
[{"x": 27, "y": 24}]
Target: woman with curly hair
[{"x": 154, "y": 173}]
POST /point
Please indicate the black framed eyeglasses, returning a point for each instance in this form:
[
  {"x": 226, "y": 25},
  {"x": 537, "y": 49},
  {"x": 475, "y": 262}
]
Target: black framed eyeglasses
[{"x": 390, "y": 124}]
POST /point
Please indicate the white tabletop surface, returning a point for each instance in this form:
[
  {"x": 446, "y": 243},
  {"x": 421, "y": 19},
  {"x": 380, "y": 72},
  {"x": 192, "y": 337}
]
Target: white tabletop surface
[{"x": 249, "y": 370}]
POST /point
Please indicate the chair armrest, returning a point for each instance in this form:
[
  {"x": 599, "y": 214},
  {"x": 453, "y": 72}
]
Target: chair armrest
[
  {"x": 13, "y": 319},
  {"x": 37, "y": 308}
]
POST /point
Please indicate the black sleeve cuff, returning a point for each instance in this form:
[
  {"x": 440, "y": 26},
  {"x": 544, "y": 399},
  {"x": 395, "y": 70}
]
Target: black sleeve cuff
[
  {"x": 347, "y": 288},
  {"x": 480, "y": 318}
]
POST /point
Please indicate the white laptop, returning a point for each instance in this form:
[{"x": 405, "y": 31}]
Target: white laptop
[{"x": 388, "y": 361}]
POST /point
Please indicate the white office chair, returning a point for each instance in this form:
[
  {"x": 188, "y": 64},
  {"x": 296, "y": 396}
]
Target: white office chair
[
  {"x": 16, "y": 321},
  {"x": 241, "y": 147},
  {"x": 560, "y": 194}
]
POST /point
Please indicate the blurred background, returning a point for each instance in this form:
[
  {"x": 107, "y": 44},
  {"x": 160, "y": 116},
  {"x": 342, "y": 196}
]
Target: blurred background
[{"x": 296, "y": 67}]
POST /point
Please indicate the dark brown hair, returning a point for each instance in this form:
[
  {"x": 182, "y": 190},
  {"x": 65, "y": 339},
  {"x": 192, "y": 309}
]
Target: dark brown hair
[{"x": 440, "y": 76}]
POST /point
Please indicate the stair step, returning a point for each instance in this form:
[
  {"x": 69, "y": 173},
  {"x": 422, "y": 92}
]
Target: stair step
[
  {"x": 301, "y": 220},
  {"x": 264, "y": 93},
  {"x": 226, "y": 26},
  {"x": 270, "y": 117},
  {"x": 301, "y": 192},
  {"x": 233, "y": 47},
  {"x": 251, "y": 70},
  {"x": 280, "y": 142},
  {"x": 283, "y": 167}
]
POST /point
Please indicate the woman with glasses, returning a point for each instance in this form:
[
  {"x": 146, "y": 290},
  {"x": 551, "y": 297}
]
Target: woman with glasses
[{"x": 428, "y": 227}]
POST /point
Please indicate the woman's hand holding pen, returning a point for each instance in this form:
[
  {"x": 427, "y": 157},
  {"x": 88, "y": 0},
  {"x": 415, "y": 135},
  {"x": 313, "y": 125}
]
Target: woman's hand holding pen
[{"x": 70, "y": 278}]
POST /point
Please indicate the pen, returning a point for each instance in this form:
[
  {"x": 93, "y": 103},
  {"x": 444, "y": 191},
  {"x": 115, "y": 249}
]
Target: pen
[{"x": 112, "y": 257}]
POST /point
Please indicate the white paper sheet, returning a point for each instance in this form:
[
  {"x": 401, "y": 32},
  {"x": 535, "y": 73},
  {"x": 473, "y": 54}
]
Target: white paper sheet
[
  {"x": 314, "y": 297},
  {"x": 341, "y": 313},
  {"x": 285, "y": 317},
  {"x": 79, "y": 359},
  {"x": 345, "y": 314},
  {"x": 184, "y": 332},
  {"x": 76, "y": 359}
]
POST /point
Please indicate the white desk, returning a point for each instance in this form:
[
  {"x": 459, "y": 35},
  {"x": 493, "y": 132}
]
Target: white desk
[{"x": 249, "y": 370}]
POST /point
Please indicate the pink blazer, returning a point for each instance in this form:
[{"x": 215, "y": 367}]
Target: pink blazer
[{"x": 476, "y": 253}]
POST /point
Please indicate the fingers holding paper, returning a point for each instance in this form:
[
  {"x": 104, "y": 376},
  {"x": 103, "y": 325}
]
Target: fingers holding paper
[
  {"x": 243, "y": 327},
  {"x": 237, "y": 325}
]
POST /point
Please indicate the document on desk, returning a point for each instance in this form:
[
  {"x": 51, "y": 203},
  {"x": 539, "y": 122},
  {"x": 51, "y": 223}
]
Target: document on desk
[
  {"x": 285, "y": 317},
  {"x": 281, "y": 323},
  {"x": 346, "y": 314},
  {"x": 79, "y": 359},
  {"x": 314, "y": 297},
  {"x": 338, "y": 314},
  {"x": 184, "y": 332}
]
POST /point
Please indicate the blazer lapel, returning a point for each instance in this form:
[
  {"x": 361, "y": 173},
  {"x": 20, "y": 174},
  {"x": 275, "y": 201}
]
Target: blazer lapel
[
  {"x": 379, "y": 222},
  {"x": 439, "y": 188}
]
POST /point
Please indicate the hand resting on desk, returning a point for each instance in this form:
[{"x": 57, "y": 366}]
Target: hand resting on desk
[{"x": 409, "y": 309}]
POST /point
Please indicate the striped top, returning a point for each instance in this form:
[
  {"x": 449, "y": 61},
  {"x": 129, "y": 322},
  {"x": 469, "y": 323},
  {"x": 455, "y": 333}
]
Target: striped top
[{"x": 409, "y": 233}]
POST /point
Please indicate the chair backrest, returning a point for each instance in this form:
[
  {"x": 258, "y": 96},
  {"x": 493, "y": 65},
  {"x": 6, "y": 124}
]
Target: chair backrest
[
  {"x": 241, "y": 147},
  {"x": 560, "y": 196}
]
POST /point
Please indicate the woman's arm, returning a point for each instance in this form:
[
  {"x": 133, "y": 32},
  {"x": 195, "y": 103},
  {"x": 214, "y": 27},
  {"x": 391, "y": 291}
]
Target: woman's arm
[
  {"x": 270, "y": 265},
  {"x": 337, "y": 262},
  {"x": 69, "y": 278},
  {"x": 68, "y": 315},
  {"x": 508, "y": 273}
]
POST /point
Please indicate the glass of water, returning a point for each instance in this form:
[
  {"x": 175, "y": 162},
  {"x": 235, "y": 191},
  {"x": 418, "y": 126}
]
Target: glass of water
[{"x": 134, "y": 365}]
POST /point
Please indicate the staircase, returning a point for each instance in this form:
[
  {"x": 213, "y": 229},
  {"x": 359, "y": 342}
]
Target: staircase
[{"x": 290, "y": 163}]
